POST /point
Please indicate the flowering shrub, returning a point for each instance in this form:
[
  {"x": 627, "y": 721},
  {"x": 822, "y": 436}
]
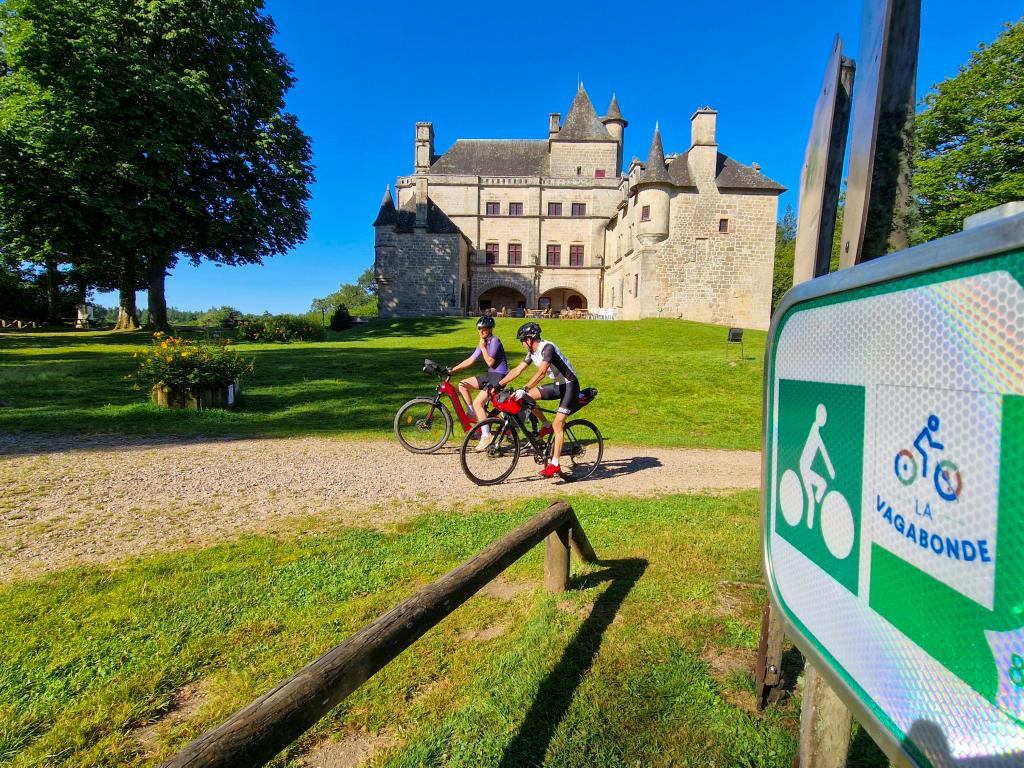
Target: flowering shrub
[
  {"x": 279, "y": 328},
  {"x": 182, "y": 364}
]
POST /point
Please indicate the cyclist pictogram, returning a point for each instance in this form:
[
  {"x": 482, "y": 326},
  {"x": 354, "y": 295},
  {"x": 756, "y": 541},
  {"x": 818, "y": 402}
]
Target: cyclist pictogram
[
  {"x": 946, "y": 476},
  {"x": 809, "y": 491}
]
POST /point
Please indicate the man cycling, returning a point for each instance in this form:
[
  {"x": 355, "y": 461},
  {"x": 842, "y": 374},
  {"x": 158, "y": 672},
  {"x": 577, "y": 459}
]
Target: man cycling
[
  {"x": 490, "y": 348},
  {"x": 564, "y": 387}
]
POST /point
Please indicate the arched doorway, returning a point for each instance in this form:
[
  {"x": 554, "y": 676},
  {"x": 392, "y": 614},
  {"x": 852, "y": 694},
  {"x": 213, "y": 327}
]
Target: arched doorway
[
  {"x": 559, "y": 299},
  {"x": 504, "y": 300}
]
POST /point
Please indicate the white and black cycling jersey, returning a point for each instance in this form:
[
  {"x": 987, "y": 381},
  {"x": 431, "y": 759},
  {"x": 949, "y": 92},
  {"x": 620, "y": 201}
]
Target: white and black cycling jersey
[{"x": 559, "y": 368}]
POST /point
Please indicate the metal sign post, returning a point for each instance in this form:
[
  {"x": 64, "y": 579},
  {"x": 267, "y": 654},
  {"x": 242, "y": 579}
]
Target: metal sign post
[{"x": 893, "y": 499}]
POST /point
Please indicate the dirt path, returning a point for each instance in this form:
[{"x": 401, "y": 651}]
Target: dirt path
[{"x": 73, "y": 500}]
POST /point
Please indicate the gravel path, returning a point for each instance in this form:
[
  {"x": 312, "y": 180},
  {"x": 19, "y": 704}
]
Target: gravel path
[{"x": 73, "y": 500}]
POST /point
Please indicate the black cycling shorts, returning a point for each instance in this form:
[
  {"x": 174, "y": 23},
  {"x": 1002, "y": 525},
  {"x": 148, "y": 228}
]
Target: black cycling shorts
[
  {"x": 488, "y": 379},
  {"x": 568, "y": 392}
]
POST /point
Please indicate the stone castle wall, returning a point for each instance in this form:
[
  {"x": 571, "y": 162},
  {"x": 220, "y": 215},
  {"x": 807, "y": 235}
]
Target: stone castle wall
[{"x": 419, "y": 273}]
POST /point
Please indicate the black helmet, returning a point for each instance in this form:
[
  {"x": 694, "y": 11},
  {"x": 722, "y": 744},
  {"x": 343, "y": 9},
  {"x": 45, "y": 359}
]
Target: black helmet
[
  {"x": 528, "y": 331},
  {"x": 486, "y": 321}
]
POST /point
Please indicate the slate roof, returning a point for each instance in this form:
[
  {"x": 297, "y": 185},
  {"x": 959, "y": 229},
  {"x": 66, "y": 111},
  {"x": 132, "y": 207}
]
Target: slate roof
[
  {"x": 729, "y": 174},
  {"x": 437, "y": 220},
  {"x": 494, "y": 157},
  {"x": 387, "y": 213},
  {"x": 733, "y": 175},
  {"x": 582, "y": 123},
  {"x": 613, "y": 112},
  {"x": 655, "y": 171}
]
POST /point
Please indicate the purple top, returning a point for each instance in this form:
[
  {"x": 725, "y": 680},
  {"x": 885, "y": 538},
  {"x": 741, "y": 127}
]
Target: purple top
[{"x": 495, "y": 350}]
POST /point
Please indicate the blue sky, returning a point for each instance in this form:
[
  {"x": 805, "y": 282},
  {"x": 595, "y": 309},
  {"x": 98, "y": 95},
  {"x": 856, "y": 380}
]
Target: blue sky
[{"x": 367, "y": 73}]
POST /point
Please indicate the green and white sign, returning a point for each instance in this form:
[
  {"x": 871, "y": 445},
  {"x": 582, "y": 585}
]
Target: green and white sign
[{"x": 894, "y": 491}]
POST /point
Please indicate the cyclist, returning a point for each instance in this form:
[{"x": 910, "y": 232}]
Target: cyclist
[
  {"x": 564, "y": 386},
  {"x": 490, "y": 348}
]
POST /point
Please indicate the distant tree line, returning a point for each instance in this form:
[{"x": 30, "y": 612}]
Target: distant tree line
[
  {"x": 134, "y": 135},
  {"x": 969, "y": 157},
  {"x": 358, "y": 299}
]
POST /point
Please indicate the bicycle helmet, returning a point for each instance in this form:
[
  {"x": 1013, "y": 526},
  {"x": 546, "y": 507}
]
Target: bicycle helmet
[
  {"x": 528, "y": 331},
  {"x": 485, "y": 321}
]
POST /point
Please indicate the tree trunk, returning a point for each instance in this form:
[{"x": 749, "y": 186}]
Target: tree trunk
[
  {"x": 157, "y": 274},
  {"x": 127, "y": 313},
  {"x": 52, "y": 290}
]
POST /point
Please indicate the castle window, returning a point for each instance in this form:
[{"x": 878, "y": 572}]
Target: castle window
[
  {"x": 492, "y": 253},
  {"x": 579, "y": 170},
  {"x": 554, "y": 255},
  {"x": 515, "y": 209},
  {"x": 636, "y": 284},
  {"x": 723, "y": 226},
  {"x": 645, "y": 213},
  {"x": 575, "y": 255},
  {"x": 554, "y": 209},
  {"x": 579, "y": 209},
  {"x": 493, "y": 209},
  {"x": 599, "y": 173},
  {"x": 515, "y": 254}
]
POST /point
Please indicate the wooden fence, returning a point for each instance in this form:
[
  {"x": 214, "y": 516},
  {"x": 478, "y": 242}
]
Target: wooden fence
[{"x": 253, "y": 735}]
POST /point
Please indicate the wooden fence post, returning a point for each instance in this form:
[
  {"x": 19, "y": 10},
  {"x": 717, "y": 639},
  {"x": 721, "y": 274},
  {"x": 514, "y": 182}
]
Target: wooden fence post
[
  {"x": 825, "y": 724},
  {"x": 556, "y": 560}
]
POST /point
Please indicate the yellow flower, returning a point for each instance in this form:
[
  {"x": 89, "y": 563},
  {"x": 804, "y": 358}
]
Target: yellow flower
[
  {"x": 170, "y": 359},
  {"x": 158, "y": 334}
]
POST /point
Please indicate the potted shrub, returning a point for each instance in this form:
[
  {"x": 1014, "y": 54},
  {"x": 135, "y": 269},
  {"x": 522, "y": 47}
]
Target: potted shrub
[{"x": 181, "y": 373}]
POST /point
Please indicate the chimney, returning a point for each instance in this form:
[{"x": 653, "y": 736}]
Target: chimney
[
  {"x": 553, "y": 124},
  {"x": 702, "y": 127},
  {"x": 424, "y": 146},
  {"x": 702, "y": 159},
  {"x": 421, "y": 202}
]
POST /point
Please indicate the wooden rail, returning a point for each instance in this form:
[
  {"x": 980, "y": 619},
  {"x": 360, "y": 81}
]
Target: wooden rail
[{"x": 253, "y": 735}]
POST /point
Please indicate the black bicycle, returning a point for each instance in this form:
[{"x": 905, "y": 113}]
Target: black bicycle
[{"x": 514, "y": 430}]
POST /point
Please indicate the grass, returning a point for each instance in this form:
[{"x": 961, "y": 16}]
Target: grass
[
  {"x": 643, "y": 662},
  {"x": 662, "y": 382}
]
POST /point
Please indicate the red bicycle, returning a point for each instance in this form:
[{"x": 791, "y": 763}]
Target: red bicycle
[{"x": 424, "y": 424}]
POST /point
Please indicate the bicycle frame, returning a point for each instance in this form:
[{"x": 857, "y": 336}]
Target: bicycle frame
[
  {"x": 511, "y": 421},
  {"x": 445, "y": 389}
]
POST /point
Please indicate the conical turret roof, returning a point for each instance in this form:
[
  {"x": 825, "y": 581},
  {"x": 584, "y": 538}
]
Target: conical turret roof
[
  {"x": 656, "y": 171},
  {"x": 614, "y": 113},
  {"x": 582, "y": 123},
  {"x": 387, "y": 213}
]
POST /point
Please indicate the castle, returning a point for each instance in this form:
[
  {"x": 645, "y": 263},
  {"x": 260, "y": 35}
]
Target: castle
[{"x": 555, "y": 224}]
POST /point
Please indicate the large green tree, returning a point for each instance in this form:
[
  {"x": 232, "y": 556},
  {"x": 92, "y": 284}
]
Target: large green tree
[
  {"x": 970, "y": 138},
  {"x": 162, "y": 122}
]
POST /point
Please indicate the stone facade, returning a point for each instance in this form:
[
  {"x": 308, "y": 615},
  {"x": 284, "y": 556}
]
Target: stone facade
[{"x": 556, "y": 223}]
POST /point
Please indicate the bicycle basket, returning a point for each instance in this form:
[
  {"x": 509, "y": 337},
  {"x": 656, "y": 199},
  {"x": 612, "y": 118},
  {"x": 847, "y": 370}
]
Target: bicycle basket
[
  {"x": 432, "y": 368},
  {"x": 586, "y": 395},
  {"x": 506, "y": 402}
]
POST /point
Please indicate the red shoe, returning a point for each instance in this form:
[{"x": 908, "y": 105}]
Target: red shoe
[
  {"x": 551, "y": 471},
  {"x": 545, "y": 431}
]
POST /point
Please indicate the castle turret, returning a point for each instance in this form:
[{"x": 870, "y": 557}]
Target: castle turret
[
  {"x": 702, "y": 158},
  {"x": 424, "y": 146},
  {"x": 387, "y": 216},
  {"x": 652, "y": 191},
  {"x": 616, "y": 125}
]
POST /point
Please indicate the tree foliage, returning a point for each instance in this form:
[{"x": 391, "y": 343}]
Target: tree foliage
[
  {"x": 359, "y": 298},
  {"x": 970, "y": 138},
  {"x": 132, "y": 133}
]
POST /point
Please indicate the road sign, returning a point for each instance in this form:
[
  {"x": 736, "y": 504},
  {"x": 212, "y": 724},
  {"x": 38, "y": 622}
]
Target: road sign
[{"x": 893, "y": 491}]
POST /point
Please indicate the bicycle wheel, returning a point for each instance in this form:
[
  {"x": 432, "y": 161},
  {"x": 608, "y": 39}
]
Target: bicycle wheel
[
  {"x": 422, "y": 427},
  {"x": 582, "y": 450},
  {"x": 494, "y": 464}
]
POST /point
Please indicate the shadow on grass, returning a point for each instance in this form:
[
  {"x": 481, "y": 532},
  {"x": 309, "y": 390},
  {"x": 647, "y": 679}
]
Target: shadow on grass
[
  {"x": 556, "y": 692},
  {"x": 406, "y": 326}
]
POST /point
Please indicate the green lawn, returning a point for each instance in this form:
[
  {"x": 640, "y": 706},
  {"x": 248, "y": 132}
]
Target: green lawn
[
  {"x": 661, "y": 382},
  {"x": 643, "y": 662}
]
